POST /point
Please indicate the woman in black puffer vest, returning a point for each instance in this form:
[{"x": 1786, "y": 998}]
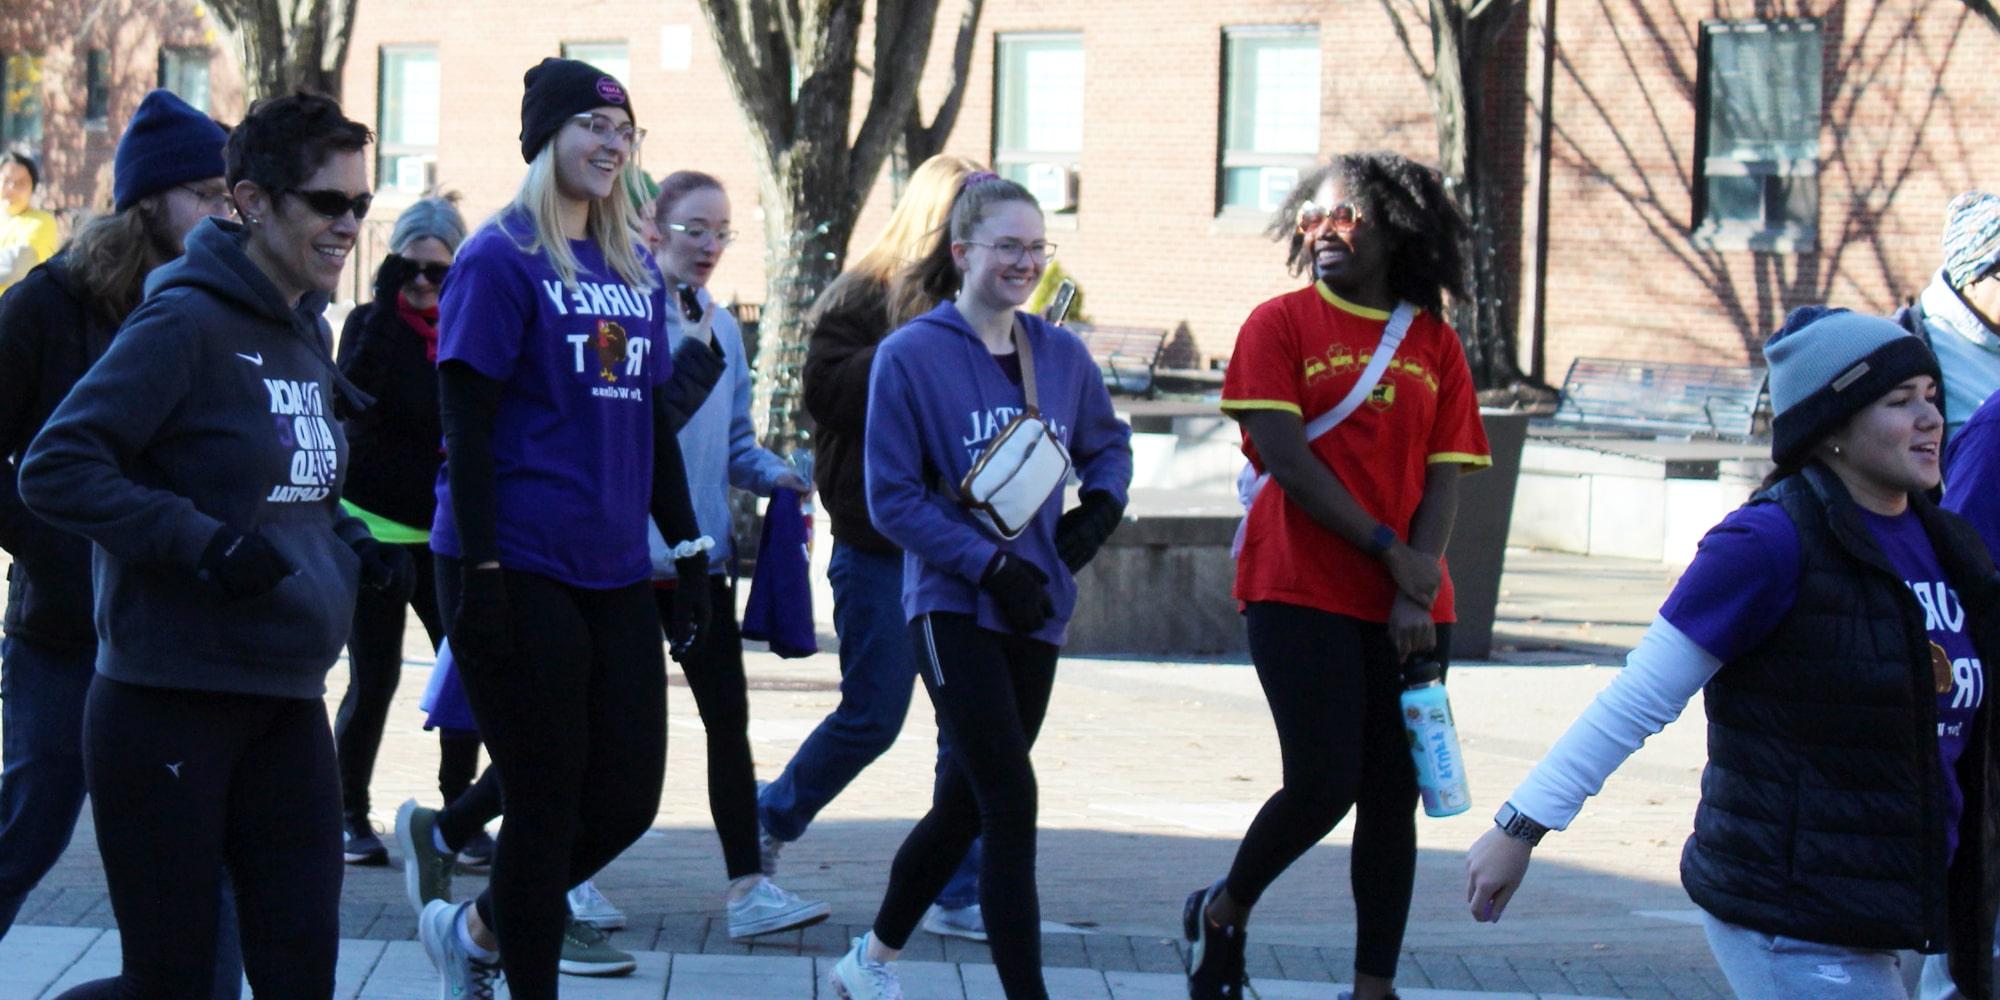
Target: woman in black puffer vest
[
  {"x": 388, "y": 347},
  {"x": 1837, "y": 625}
]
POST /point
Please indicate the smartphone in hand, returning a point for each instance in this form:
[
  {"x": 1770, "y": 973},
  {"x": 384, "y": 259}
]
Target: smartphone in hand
[
  {"x": 690, "y": 304},
  {"x": 1058, "y": 308}
]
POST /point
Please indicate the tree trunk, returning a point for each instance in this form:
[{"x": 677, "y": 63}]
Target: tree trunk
[
  {"x": 919, "y": 142},
  {"x": 805, "y": 239},
  {"x": 306, "y": 50}
]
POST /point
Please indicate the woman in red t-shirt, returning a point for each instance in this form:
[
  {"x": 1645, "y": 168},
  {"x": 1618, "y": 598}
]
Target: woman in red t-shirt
[{"x": 1341, "y": 576}]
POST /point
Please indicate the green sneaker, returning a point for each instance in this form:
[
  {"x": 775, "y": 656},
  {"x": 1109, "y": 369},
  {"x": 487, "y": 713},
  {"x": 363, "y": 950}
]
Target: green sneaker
[
  {"x": 426, "y": 872},
  {"x": 586, "y": 951}
]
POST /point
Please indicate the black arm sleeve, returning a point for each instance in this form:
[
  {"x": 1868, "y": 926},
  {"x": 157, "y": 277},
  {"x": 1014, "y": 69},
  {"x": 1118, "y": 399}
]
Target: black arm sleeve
[
  {"x": 697, "y": 369},
  {"x": 673, "y": 507},
  {"x": 469, "y": 404}
]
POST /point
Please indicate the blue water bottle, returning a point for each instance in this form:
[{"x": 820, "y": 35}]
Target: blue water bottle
[{"x": 1433, "y": 739}]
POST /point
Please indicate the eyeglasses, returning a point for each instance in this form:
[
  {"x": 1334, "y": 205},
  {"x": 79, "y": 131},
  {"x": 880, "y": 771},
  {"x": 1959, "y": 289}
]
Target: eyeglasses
[
  {"x": 723, "y": 237},
  {"x": 210, "y": 201},
  {"x": 432, "y": 272},
  {"x": 1012, "y": 251},
  {"x": 334, "y": 204},
  {"x": 604, "y": 128},
  {"x": 1344, "y": 216}
]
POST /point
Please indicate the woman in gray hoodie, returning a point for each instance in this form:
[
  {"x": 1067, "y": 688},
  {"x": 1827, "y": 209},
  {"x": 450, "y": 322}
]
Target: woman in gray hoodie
[{"x": 200, "y": 454}]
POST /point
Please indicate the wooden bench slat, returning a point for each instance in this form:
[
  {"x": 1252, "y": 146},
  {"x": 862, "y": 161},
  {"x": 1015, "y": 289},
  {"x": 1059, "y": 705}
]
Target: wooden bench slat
[{"x": 1128, "y": 356}]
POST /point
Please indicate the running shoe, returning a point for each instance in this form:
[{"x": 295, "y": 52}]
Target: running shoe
[
  {"x": 476, "y": 857},
  {"x": 958, "y": 921},
  {"x": 1215, "y": 954},
  {"x": 587, "y": 952},
  {"x": 462, "y": 977},
  {"x": 359, "y": 844},
  {"x": 855, "y": 977},
  {"x": 426, "y": 870},
  {"x": 767, "y": 909},
  {"x": 589, "y": 906}
]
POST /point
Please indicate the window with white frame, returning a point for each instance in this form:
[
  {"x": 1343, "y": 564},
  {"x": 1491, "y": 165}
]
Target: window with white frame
[
  {"x": 614, "y": 58},
  {"x": 407, "y": 125},
  {"x": 1038, "y": 114},
  {"x": 185, "y": 72},
  {"x": 1270, "y": 113},
  {"x": 1760, "y": 110}
]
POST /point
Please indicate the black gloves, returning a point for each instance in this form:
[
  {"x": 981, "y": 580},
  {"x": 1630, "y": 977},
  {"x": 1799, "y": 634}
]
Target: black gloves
[
  {"x": 691, "y": 604},
  {"x": 1018, "y": 586},
  {"x": 242, "y": 565},
  {"x": 1084, "y": 528},
  {"x": 387, "y": 568},
  {"x": 482, "y": 630}
]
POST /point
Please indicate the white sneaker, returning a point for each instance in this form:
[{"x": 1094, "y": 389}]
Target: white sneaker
[
  {"x": 767, "y": 909},
  {"x": 854, "y": 977},
  {"x": 462, "y": 977},
  {"x": 589, "y": 906},
  {"x": 960, "y": 922}
]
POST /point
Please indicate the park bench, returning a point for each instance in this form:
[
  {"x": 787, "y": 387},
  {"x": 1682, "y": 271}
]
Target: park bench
[
  {"x": 1128, "y": 356},
  {"x": 1662, "y": 398}
]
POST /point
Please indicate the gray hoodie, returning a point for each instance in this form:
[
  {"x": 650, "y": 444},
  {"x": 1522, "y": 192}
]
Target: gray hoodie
[{"x": 213, "y": 406}]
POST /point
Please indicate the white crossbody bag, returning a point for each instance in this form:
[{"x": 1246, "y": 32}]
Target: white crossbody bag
[
  {"x": 1020, "y": 467},
  {"x": 1250, "y": 482}
]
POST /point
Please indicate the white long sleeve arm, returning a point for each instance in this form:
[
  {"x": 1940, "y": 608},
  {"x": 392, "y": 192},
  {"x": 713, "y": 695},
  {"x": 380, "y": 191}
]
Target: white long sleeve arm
[{"x": 1660, "y": 675}]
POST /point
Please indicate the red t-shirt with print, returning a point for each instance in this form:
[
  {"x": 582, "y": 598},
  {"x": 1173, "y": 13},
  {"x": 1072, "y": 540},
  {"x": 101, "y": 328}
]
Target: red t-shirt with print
[{"x": 1303, "y": 352}]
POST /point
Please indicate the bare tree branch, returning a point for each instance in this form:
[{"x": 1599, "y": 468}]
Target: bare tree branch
[
  {"x": 1403, "y": 36},
  {"x": 900, "y": 55},
  {"x": 1986, "y": 12}
]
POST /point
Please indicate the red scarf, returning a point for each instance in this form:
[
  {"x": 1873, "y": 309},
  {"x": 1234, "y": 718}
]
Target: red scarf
[{"x": 424, "y": 321}]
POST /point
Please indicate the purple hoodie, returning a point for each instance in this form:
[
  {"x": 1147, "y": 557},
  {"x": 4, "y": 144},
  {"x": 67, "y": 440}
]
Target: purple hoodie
[{"x": 936, "y": 397}]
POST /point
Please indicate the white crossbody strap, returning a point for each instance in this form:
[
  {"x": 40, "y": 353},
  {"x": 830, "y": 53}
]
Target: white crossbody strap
[{"x": 1249, "y": 482}]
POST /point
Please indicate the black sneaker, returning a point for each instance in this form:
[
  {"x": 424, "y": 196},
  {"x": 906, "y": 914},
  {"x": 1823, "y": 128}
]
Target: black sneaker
[
  {"x": 361, "y": 846},
  {"x": 476, "y": 857},
  {"x": 1215, "y": 954}
]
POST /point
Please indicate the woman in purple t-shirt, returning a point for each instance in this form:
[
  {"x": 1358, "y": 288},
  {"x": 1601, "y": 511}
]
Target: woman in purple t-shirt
[
  {"x": 552, "y": 352},
  {"x": 1836, "y": 625}
]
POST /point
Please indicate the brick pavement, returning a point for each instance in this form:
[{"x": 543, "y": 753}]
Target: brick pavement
[{"x": 1149, "y": 773}]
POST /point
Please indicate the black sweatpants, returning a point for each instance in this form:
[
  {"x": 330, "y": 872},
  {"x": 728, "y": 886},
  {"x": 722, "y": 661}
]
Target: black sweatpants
[
  {"x": 182, "y": 782},
  {"x": 576, "y": 722},
  {"x": 375, "y": 667},
  {"x": 1334, "y": 684},
  {"x": 714, "y": 670},
  {"x": 991, "y": 692}
]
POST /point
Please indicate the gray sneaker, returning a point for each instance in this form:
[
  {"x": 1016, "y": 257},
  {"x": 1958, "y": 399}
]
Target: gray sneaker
[
  {"x": 426, "y": 872},
  {"x": 767, "y": 909},
  {"x": 587, "y": 952},
  {"x": 461, "y": 977}
]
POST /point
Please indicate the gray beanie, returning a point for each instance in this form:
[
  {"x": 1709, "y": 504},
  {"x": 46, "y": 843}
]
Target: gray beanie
[
  {"x": 437, "y": 218},
  {"x": 1826, "y": 365}
]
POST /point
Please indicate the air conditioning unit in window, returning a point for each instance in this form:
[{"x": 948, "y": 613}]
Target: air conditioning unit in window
[{"x": 1054, "y": 185}]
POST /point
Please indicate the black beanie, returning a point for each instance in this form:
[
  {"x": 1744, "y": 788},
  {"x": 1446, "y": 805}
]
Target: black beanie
[{"x": 558, "y": 89}]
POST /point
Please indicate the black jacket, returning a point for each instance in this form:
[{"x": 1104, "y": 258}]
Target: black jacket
[
  {"x": 844, "y": 331},
  {"x": 397, "y": 445},
  {"x": 1821, "y": 804},
  {"x": 48, "y": 338}
]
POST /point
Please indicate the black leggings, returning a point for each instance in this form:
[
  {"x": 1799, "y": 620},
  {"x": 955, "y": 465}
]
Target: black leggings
[
  {"x": 991, "y": 692},
  {"x": 1333, "y": 684},
  {"x": 576, "y": 721},
  {"x": 375, "y": 666},
  {"x": 184, "y": 782},
  {"x": 714, "y": 669}
]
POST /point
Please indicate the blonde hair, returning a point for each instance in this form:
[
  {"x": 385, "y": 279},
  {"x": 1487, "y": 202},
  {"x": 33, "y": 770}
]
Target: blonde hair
[
  {"x": 920, "y": 216},
  {"x": 612, "y": 222}
]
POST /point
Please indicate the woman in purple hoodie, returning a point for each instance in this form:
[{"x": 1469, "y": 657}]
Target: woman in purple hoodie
[{"x": 987, "y": 615}]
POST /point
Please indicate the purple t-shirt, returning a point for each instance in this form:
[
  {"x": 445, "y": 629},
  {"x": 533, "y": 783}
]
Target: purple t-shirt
[
  {"x": 1745, "y": 577},
  {"x": 573, "y": 440}
]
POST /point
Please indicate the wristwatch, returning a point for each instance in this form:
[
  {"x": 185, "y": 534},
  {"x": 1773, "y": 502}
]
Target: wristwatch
[
  {"x": 1516, "y": 824},
  {"x": 1381, "y": 539}
]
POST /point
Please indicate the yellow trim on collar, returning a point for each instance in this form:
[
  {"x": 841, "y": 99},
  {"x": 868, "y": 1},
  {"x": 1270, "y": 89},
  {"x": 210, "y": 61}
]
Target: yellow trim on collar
[{"x": 1345, "y": 306}]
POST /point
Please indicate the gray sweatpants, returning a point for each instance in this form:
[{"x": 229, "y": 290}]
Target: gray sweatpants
[{"x": 1763, "y": 966}]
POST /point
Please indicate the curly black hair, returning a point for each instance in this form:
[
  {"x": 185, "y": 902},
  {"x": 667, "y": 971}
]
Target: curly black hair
[
  {"x": 1408, "y": 203},
  {"x": 284, "y": 140}
]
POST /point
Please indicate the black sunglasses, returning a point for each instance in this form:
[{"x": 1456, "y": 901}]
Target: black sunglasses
[
  {"x": 433, "y": 271},
  {"x": 334, "y": 204}
]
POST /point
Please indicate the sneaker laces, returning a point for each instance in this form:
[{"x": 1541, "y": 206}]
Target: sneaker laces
[
  {"x": 880, "y": 979},
  {"x": 584, "y": 935},
  {"x": 483, "y": 979}
]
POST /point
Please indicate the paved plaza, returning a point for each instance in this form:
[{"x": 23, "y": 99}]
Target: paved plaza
[{"x": 1149, "y": 772}]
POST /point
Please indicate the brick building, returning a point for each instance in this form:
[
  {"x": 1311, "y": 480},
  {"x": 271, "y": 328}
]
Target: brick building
[
  {"x": 71, "y": 74},
  {"x": 1706, "y": 165}
]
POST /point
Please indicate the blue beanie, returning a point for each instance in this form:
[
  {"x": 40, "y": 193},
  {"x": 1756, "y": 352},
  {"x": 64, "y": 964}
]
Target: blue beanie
[{"x": 166, "y": 143}]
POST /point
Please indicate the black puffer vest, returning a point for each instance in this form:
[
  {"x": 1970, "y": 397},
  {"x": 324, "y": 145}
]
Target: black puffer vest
[{"x": 1821, "y": 806}]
